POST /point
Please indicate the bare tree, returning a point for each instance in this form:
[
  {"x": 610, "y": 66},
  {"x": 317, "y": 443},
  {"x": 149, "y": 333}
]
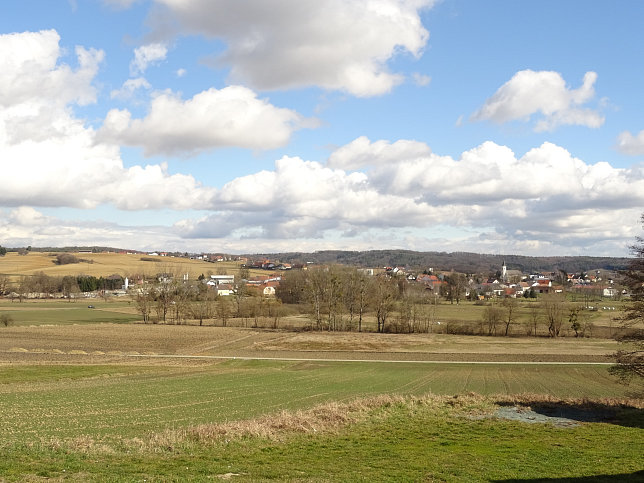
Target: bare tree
[
  {"x": 362, "y": 299},
  {"x": 4, "y": 284},
  {"x": 275, "y": 310},
  {"x": 492, "y": 316},
  {"x": 554, "y": 307},
  {"x": 535, "y": 317},
  {"x": 315, "y": 294},
  {"x": 383, "y": 293},
  {"x": 456, "y": 283},
  {"x": 144, "y": 298},
  {"x": 222, "y": 309},
  {"x": 511, "y": 306},
  {"x": 333, "y": 297},
  {"x": 630, "y": 357},
  {"x": 203, "y": 306}
]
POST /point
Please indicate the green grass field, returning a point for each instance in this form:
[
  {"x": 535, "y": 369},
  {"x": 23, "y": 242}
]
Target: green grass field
[
  {"x": 75, "y": 407},
  {"x": 64, "y": 312},
  {"x": 130, "y": 423},
  {"x": 126, "y": 401}
]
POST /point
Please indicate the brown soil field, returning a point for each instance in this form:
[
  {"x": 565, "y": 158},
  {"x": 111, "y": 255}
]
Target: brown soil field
[{"x": 102, "y": 343}]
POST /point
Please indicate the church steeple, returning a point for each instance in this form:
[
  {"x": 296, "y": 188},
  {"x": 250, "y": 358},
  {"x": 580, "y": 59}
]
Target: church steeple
[{"x": 504, "y": 272}]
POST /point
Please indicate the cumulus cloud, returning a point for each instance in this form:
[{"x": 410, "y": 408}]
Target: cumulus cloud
[
  {"x": 71, "y": 169},
  {"x": 628, "y": 143},
  {"x": 543, "y": 200},
  {"x": 129, "y": 87},
  {"x": 335, "y": 44},
  {"x": 232, "y": 116},
  {"x": 49, "y": 157},
  {"x": 361, "y": 152},
  {"x": 304, "y": 199},
  {"x": 29, "y": 68},
  {"x": 543, "y": 94},
  {"x": 145, "y": 56},
  {"x": 491, "y": 173}
]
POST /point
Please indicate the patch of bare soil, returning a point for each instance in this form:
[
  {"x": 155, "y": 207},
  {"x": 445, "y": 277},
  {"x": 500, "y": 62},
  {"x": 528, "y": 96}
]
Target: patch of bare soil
[{"x": 113, "y": 341}]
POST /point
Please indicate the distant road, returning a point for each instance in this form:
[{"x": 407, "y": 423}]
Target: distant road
[{"x": 303, "y": 359}]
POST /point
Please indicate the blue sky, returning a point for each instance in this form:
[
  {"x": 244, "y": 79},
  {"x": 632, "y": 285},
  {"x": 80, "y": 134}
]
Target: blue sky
[{"x": 259, "y": 126}]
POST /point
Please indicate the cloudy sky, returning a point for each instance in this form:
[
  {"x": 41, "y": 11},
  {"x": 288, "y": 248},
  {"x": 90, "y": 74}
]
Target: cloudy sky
[{"x": 298, "y": 125}]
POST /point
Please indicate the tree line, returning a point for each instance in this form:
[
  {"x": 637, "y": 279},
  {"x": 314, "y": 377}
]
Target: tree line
[
  {"x": 337, "y": 298},
  {"x": 174, "y": 301},
  {"x": 69, "y": 286}
]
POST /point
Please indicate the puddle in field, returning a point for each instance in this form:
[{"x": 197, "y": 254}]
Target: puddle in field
[{"x": 561, "y": 417}]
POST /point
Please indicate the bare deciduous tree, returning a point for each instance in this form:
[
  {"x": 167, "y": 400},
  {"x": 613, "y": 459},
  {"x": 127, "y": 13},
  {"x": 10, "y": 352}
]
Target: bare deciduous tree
[
  {"x": 492, "y": 316},
  {"x": 554, "y": 308},
  {"x": 630, "y": 357},
  {"x": 510, "y": 305}
]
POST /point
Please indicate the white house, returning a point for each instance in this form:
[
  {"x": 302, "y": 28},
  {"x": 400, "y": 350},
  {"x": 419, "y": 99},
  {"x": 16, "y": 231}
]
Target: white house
[{"x": 219, "y": 279}]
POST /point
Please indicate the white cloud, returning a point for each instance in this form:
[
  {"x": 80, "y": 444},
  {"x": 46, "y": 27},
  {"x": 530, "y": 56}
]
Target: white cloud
[
  {"x": 232, "y": 116},
  {"x": 69, "y": 168},
  {"x": 421, "y": 79},
  {"x": 49, "y": 157},
  {"x": 335, "y": 44},
  {"x": 29, "y": 69},
  {"x": 361, "y": 152},
  {"x": 129, "y": 87},
  {"x": 628, "y": 143},
  {"x": 490, "y": 174},
  {"x": 544, "y": 200},
  {"x": 145, "y": 56},
  {"x": 26, "y": 216},
  {"x": 305, "y": 199},
  {"x": 120, "y": 4},
  {"x": 25, "y": 226},
  {"x": 542, "y": 93},
  {"x": 181, "y": 72}
]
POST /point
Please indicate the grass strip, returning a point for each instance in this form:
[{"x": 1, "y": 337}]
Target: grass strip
[{"x": 383, "y": 438}]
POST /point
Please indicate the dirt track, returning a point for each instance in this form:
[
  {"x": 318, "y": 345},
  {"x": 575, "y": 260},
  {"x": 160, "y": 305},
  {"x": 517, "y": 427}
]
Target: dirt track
[{"x": 114, "y": 343}]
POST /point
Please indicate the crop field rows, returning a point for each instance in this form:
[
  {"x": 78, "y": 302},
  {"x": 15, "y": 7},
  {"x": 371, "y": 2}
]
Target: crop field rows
[
  {"x": 87, "y": 394},
  {"x": 132, "y": 400}
]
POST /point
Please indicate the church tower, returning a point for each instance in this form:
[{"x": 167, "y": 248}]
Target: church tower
[{"x": 504, "y": 272}]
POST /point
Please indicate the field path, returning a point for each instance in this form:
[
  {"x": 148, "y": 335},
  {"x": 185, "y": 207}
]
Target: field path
[
  {"x": 105, "y": 343},
  {"x": 329, "y": 359}
]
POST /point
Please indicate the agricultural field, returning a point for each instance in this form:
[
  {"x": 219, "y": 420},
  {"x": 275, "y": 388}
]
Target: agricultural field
[
  {"x": 105, "y": 264},
  {"x": 93, "y": 394},
  {"x": 46, "y": 312},
  {"x": 165, "y": 419}
]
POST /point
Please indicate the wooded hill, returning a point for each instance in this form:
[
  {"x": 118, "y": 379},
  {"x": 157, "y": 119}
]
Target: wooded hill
[{"x": 464, "y": 262}]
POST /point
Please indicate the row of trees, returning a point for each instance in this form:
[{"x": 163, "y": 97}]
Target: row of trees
[
  {"x": 68, "y": 286},
  {"x": 338, "y": 297},
  {"x": 552, "y": 311},
  {"x": 630, "y": 356},
  {"x": 175, "y": 302}
]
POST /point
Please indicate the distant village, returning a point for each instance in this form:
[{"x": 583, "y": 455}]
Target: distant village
[{"x": 504, "y": 283}]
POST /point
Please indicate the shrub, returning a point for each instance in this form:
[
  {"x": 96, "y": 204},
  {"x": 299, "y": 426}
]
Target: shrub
[{"x": 65, "y": 259}]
